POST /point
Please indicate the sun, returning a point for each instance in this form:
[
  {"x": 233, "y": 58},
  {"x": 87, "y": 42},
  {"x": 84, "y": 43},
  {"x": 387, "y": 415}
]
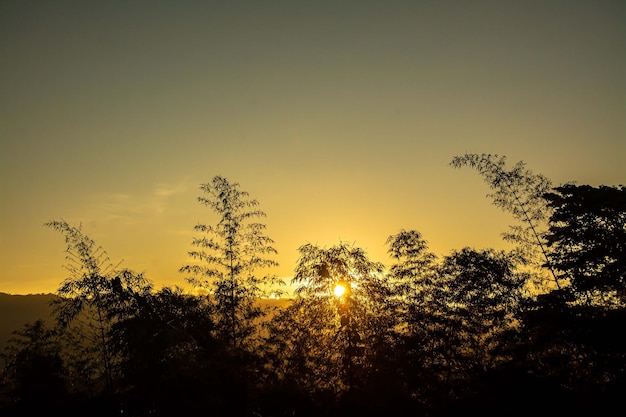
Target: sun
[{"x": 339, "y": 290}]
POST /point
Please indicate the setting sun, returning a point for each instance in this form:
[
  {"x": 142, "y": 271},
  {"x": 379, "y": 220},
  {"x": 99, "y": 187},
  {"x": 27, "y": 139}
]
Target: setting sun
[{"x": 339, "y": 290}]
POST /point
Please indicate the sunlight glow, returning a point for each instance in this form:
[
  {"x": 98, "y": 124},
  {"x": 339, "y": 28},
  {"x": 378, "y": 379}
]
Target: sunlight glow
[{"x": 339, "y": 290}]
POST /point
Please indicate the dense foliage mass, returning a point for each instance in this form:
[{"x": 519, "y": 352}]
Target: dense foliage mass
[{"x": 424, "y": 336}]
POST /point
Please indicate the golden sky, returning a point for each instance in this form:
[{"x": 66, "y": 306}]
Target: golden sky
[{"x": 340, "y": 117}]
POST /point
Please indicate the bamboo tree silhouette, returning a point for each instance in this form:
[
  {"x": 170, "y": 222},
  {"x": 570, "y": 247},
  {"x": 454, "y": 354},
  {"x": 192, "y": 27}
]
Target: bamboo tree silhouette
[
  {"x": 90, "y": 277},
  {"x": 518, "y": 191},
  {"x": 96, "y": 290},
  {"x": 229, "y": 254}
]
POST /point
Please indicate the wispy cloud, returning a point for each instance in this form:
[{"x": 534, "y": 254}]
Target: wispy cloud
[
  {"x": 122, "y": 207},
  {"x": 136, "y": 208},
  {"x": 164, "y": 189}
]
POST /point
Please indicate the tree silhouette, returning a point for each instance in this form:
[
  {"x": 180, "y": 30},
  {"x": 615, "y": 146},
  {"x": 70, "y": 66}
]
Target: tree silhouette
[
  {"x": 520, "y": 192},
  {"x": 336, "y": 343},
  {"x": 484, "y": 301},
  {"x": 90, "y": 277},
  {"x": 228, "y": 257},
  {"x": 587, "y": 238},
  {"x": 93, "y": 293},
  {"x": 34, "y": 377},
  {"x": 573, "y": 333},
  {"x": 421, "y": 298},
  {"x": 414, "y": 276},
  {"x": 457, "y": 315},
  {"x": 168, "y": 358},
  {"x": 363, "y": 313}
]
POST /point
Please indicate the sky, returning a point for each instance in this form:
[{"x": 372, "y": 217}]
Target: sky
[{"x": 339, "y": 117}]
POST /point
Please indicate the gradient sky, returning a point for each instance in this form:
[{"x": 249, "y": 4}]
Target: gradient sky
[{"x": 340, "y": 117}]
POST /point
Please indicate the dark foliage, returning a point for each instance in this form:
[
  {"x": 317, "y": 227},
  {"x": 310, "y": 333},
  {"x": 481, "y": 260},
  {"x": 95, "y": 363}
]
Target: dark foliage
[
  {"x": 587, "y": 237},
  {"x": 429, "y": 336},
  {"x": 34, "y": 377}
]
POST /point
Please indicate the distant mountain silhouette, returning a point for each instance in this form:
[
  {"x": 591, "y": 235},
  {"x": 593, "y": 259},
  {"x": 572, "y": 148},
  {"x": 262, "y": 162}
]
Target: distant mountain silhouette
[{"x": 17, "y": 310}]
